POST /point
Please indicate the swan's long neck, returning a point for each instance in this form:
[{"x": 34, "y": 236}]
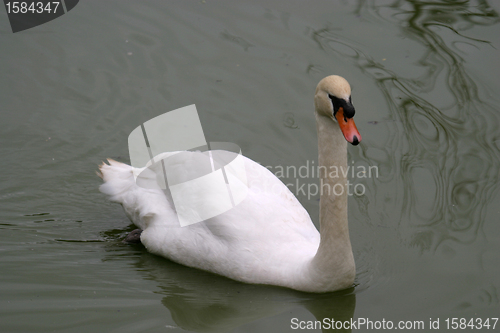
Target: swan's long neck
[{"x": 333, "y": 264}]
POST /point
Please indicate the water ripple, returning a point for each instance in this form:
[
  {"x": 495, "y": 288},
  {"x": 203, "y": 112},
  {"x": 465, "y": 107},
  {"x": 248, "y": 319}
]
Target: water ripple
[{"x": 439, "y": 156}]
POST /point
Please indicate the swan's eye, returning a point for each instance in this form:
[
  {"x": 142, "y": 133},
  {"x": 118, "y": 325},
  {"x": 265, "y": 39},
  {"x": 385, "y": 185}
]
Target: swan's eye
[{"x": 336, "y": 103}]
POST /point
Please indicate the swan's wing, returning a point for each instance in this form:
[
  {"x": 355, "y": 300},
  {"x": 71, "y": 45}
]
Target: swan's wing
[{"x": 269, "y": 213}]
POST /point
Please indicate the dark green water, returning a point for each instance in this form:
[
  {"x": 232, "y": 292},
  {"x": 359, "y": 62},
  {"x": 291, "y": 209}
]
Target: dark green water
[{"x": 425, "y": 234}]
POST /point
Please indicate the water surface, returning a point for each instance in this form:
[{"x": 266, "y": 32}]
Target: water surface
[{"x": 425, "y": 232}]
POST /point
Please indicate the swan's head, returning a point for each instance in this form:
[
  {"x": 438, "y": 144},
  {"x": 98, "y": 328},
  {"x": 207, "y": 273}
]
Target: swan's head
[{"x": 333, "y": 100}]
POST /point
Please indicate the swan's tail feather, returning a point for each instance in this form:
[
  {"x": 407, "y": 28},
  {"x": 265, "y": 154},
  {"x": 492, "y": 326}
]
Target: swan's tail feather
[
  {"x": 140, "y": 204},
  {"x": 99, "y": 173},
  {"x": 118, "y": 179}
]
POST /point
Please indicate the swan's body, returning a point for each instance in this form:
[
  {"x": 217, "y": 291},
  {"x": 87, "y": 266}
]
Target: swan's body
[{"x": 269, "y": 237}]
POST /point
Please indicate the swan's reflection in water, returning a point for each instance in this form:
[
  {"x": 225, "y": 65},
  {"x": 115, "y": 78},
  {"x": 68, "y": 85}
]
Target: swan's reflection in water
[{"x": 203, "y": 302}]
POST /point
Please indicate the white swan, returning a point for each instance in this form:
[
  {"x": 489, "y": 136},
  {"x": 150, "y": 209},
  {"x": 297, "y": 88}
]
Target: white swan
[{"x": 268, "y": 238}]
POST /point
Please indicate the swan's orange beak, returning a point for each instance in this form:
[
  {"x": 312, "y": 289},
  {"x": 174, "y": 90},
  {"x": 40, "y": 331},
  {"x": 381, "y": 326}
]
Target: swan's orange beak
[{"x": 348, "y": 128}]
